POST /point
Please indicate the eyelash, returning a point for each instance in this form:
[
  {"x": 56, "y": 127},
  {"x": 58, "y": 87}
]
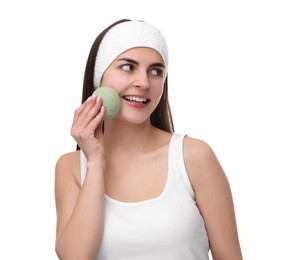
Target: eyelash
[
  {"x": 160, "y": 72},
  {"x": 131, "y": 67}
]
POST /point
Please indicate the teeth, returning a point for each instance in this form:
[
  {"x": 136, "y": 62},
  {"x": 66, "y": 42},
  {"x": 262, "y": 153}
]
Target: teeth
[{"x": 136, "y": 99}]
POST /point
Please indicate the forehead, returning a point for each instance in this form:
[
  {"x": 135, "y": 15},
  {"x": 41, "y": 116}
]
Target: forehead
[{"x": 142, "y": 53}]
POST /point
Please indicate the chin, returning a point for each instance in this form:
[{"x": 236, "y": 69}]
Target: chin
[{"x": 135, "y": 119}]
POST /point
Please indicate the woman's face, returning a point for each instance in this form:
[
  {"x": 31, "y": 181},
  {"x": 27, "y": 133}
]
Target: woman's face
[{"x": 138, "y": 76}]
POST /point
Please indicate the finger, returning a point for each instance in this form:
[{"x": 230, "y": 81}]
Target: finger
[
  {"x": 99, "y": 129},
  {"x": 91, "y": 130},
  {"x": 90, "y": 111},
  {"x": 85, "y": 107},
  {"x": 98, "y": 120},
  {"x": 86, "y": 124},
  {"x": 77, "y": 127}
]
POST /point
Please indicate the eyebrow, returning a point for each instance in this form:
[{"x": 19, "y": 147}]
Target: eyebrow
[{"x": 157, "y": 64}]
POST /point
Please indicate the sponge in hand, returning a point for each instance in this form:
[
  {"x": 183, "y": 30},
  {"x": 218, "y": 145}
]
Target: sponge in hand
[{"x": 111, "y": 100}]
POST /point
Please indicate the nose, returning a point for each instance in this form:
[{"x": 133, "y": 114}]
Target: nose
[{"x": 142, "y": 80}]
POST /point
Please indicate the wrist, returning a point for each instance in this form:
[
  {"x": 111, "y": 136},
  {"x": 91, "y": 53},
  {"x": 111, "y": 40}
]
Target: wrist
[{"x": 96, "y": 165}]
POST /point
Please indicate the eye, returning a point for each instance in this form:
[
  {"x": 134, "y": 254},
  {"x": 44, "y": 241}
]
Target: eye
[
  {"x": 157, "y": 72},
  {"x": 127, "y": 67}
]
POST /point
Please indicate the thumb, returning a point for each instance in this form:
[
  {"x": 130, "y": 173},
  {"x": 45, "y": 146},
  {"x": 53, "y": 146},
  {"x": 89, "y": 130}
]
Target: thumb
[{"x": 99, "y": 132}]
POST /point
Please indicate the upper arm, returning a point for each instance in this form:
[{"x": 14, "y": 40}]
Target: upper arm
[
  {"x": 66, "y": 187},
  {"x": 214, "y": 199}
]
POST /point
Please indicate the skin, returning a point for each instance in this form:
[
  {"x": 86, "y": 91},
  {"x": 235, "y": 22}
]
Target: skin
[{"x": 137, "y": 72}]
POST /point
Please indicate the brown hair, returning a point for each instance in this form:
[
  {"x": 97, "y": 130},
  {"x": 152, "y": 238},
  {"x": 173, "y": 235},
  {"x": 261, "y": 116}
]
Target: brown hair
[{"x": 161, "y": 116}]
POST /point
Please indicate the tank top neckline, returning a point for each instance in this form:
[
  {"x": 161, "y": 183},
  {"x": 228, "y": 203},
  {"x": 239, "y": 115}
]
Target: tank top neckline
[{"x": 143, "y": 202}]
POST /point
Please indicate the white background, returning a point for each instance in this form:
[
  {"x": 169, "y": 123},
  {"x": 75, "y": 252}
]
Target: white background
[{"x": 224, "y": 83}]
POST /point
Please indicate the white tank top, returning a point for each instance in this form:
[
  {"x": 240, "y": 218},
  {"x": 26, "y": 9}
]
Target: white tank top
[{"x": 169, "y": 227}]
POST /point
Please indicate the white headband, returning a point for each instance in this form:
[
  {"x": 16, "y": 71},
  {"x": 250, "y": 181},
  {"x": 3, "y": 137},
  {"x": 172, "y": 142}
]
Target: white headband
[{"x": 125, "y": 36}]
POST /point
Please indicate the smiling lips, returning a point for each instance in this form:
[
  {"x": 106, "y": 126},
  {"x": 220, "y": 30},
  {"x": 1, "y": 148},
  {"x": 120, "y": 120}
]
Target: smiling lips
[{"x": 138, "y": 100}]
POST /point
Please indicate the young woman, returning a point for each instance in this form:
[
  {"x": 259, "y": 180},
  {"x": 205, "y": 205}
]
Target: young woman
[{"x": 135, "y": 189}]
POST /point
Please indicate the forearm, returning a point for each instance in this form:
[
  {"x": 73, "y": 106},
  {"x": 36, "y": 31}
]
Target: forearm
[{"x": 80, "y": 238}]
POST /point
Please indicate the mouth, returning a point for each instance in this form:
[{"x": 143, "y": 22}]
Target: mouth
[{"x": 135, "y": 99}]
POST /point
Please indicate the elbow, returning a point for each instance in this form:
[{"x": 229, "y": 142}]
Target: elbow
[
  {"x": 59, "y": 251},
  {"x": 65, "y": 253}
]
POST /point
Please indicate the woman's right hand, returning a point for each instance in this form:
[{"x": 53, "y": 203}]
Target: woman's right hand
[{"x": 87, "y": 127}]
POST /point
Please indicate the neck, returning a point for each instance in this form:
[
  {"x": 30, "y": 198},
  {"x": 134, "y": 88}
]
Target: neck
[{"x": 128, "y": 138}]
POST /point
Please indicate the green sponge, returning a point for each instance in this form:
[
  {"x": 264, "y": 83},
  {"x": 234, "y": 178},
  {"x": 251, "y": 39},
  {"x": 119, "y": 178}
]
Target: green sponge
[{"x": 111, "y": 100}]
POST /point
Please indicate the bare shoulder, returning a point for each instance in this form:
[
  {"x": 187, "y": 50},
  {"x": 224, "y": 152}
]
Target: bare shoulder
[
  {"x": 201, "y": 161},
  {"x": 198, "y": 152},
  {"x": 67, "y": 186},
  {"x": 68, "y": 167},
  {"x": 213, "y": 197}
]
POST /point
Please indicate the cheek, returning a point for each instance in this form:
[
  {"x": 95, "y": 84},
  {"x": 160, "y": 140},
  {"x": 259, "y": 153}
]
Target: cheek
[
  {"x": 109, "y": 79},
  {"x": 113, "y": 79},
  {"x": 158, "y": 87},
  {"x": 106, "y": 79},
  {"x": 157, "y": 92}
]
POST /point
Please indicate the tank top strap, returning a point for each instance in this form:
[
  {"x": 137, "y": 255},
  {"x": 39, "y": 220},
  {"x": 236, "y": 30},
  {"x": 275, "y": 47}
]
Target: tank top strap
[
  {"x": 177, "y": 168},
  {"x": 83, "y": 165}
]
